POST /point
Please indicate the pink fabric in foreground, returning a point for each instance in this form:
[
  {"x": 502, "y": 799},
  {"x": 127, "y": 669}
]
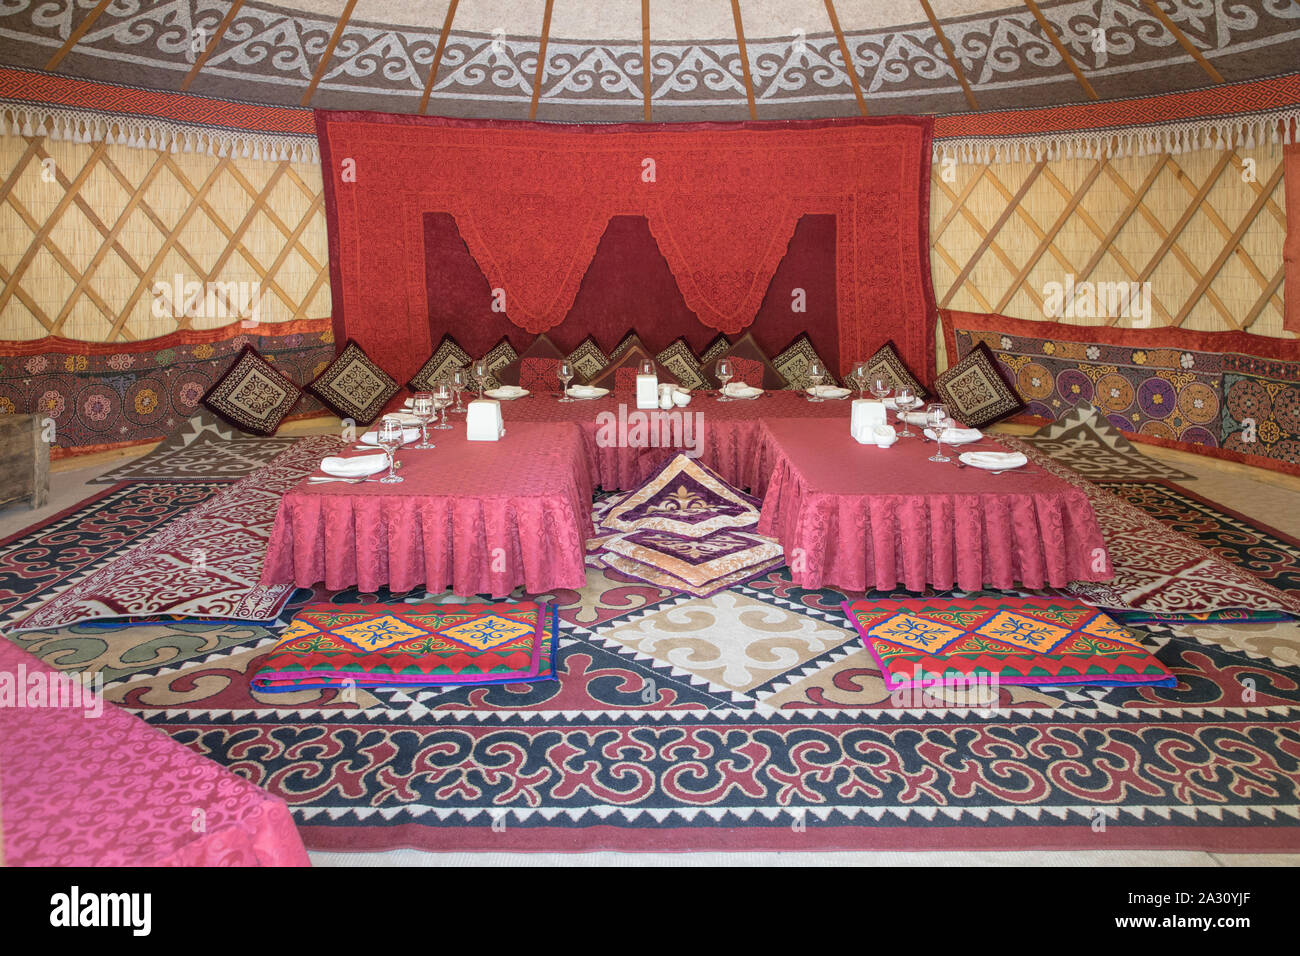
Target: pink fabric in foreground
[
  {"x": 110, "y": 790},
  {"x": 475, "y": 517},
  {"x": 860, "y": 517}
]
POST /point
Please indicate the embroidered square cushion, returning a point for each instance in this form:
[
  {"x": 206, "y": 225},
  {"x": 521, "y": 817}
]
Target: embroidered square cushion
[
  {"x": 629, "y": 340},
  {"x": 497, "y": 358},
  {"x": 886, "y": 362},
  {"x": 794, "y": 360},
  {"x": 975, "y": 390},
  {"x": 621, "y": 374},
  {"x": 353, "y": 386},
  {"x": 714, "y": 350},
  {"x": 588, "y": 360},
  {"x": 538, "y": 363},
  {"x": 680, "y": 359},
  {"x": 749, "y": 364},
  {"x": 252, "y": 394},
  {"x": 444, "y": 361}
]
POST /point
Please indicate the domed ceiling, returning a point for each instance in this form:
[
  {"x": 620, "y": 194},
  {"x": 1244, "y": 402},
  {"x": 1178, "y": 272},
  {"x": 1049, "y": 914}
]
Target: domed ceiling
[{"x": 709, "y": 59}]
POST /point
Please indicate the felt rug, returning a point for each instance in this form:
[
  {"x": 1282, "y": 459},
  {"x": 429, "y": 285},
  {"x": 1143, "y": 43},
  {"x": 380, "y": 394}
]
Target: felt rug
[
  {"x": 206, "y": 564},
  {"x": 1092, "y": 446},
  {"x": 752, "y": 719},
  {"x": 1158, "y": 571},
  {"x": 204, "y": 448},
  {"x": 1032, "y": 641},
  {"x": 686, "y": 529},
  {"x": 379, "y": 645}
]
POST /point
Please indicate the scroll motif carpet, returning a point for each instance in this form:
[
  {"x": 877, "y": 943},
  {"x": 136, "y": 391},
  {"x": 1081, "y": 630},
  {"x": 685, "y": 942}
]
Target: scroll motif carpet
[
  {"x": 206, "y": 564},
  {"x": 1092, "y": 446},
  {"x": 752, "y": 719},
  {"x": 999, "y": 640},
  {"x": 423, "y": 645},
  {"x": 202, "y": 448}
]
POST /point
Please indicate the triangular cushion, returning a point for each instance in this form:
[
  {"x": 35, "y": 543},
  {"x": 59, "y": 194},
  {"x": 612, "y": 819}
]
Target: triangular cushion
[{"x": 684, "y": 498}]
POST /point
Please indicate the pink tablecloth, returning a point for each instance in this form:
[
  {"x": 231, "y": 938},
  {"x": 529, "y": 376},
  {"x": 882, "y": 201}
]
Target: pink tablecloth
[
  {"x": 725, "y": 433},
  {"x": 860, "y": 517},
  {"x": 109, "y": 790},
  {"x": 475, "y": 517}
]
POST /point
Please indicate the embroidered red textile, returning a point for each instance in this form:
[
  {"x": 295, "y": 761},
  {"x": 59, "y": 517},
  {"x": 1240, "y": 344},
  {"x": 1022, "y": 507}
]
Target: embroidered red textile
[
  {"x": 533, "y": 200},
  {"x": 1291, "y": 248}
]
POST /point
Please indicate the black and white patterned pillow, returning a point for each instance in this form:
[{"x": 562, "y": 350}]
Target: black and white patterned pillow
[
  {"x": 887, "y": 362},
  {"x": 680, "y": 359},
  {"x": 444, "y": 361},
  {"x": 714, "y": 351},
  {"x": 497, "y": 358},
  {"x": 794, "y": 360},
  {"x": 976, "y": 392},
  {"x": 353, "y": 386},
  {"x": 252, "y": 394},
  {"x": 588, "y": 360}
]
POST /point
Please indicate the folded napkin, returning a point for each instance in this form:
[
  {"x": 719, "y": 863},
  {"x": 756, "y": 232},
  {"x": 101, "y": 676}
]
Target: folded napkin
[
  {"x": 358, "y": 467},
  {"x": 956, "y": 436},
  {"x": 409, "y": 435},
  {"x": 741, "y": 390},
  {"x": 914, "y": 418},
  {"x": 994, "y": 460},
  {"x": 828, "y": 391}
]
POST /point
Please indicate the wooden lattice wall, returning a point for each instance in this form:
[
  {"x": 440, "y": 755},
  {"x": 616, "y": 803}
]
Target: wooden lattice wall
[
  {"x": 1205, "y": 229},
  {"x": 87, "y": 229}
]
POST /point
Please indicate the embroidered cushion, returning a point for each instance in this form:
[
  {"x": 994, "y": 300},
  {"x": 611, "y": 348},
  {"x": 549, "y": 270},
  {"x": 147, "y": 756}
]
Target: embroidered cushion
[
  {"x": 749, "y": 365},
  {"x": 252, "y": 394},
  {"x": 793, "y": 362},
  {"x": 886, "y": 362},
  {"x": 975, "y": 390},
  {"x": 588, "y": 360},
  {"x": 680, "y": 359},
  {"x": 444, "y": 361},
  {"x": 539, "y": 362},
  {"x": 353, "y": 386}
]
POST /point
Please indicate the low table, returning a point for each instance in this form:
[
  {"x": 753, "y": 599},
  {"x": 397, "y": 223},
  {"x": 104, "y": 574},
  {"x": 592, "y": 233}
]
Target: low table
[
  {"x": 473, "y": 517},
  {"x": 86, "y": 788},
  {"x": 860, "y": 517}
]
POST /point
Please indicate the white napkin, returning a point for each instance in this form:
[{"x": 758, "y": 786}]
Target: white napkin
[
  {"x": 994, "y": 460},
  {"x": 587, "y": 391},
  {"x": 358, "y": 467},
  {"x": 409, "y": 435},
  {"x": 956, "y": 436},
  {"x": 914, "y": 418},
  {"x": 741, "y": 390},
  {"x": 828, "y": 391},
  {"x": 507, "y": 392}
]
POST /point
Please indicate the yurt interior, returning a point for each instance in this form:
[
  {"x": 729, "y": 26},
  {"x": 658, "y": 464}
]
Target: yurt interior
[{"x": 649, "y": 432}]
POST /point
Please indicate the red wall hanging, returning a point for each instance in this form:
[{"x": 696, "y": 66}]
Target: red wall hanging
[{"x": 532, "y": 200}]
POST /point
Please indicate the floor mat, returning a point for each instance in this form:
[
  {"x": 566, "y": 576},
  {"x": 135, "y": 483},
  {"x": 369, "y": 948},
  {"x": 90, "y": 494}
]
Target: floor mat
[
  {"x": 204, "y": 565},
  {"x": 204, "y": 448},
  {"x": 1092, "y": 446}
]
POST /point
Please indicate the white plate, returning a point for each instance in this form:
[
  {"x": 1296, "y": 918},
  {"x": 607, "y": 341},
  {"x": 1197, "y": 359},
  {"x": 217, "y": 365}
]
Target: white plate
[
  {"x": 507, "y": 393},
  {"x": 409, "y": 437},
  {"x": 993, "y": 460},
  {"x": 358, "y": 467},
  {"x": 587, "y": 392},
  {"x": 746, "y": 394}
]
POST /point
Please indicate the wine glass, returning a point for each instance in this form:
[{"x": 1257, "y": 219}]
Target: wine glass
[
  {"x": 860, "y": 375},
  {"x": 724, "y": 376},
  {"x": 390, "y": 439},
  {"x": 441, "y": 399},
  {"x": 480, "y": 373},
  {"x": 423, "y": 407},
  {"x": 816, "y": 374},
  {"x": 903, "y": 401},
  {"x": 880, "y": 387},
  {"x": 647, "y": 367},
  {"x": 937, "y": 418},
  {"x": 459, "y": 382},
  {"x": 564, "y": 372}
]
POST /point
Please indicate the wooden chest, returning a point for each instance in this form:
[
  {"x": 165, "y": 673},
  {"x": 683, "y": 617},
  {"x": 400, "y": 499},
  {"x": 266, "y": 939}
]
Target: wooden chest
[{"x": 24, "y": 460}]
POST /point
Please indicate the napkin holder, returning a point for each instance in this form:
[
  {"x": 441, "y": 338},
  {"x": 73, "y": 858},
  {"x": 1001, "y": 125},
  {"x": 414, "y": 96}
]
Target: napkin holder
[
  {"x": 866, "y": 415},
  {"x": 647, "y": 391},
  {"x": 483, "y": 421}
]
